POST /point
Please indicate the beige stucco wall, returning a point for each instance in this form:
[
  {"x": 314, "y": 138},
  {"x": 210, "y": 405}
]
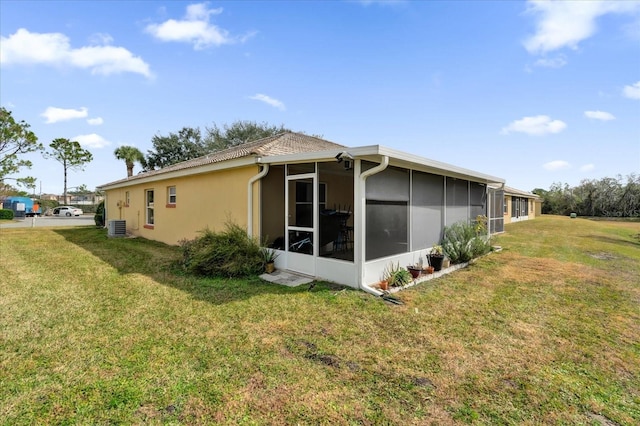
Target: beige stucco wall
[
  {"x": 205, "y": 200},
  {"x": 534, "y": 208},
  {"x": 507, "y": 214}
]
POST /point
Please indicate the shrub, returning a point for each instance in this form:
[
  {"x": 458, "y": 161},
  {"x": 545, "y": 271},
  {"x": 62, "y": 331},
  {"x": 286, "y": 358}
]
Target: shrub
[
  {"x": 6, "y": 214},
  {"x": 229, "y": 253},
  {"x": 397, "y": 276},
  {"x": 99, "y": 216},
  {"x": 463, "y": 242}
]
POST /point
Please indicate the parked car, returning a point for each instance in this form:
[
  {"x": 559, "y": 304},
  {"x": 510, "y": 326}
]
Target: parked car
[{"x": 67, "y": 211}]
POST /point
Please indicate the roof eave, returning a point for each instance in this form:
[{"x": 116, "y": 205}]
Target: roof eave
[
  {"x": 398, "y": 158},
  {"x": 191, "y": 171}
]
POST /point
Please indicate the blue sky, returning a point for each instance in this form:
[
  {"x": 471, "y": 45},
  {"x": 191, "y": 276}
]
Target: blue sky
[{"x": 535, "y": 92}]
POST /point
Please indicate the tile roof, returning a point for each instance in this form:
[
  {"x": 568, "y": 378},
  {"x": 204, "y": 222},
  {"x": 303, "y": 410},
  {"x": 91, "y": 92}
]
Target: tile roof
[{"x": 280, "y": 144}]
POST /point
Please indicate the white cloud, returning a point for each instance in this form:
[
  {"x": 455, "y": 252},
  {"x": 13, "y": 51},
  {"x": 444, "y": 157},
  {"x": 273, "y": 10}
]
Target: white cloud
[
  {"x": 556, "y": 165},
  {"x": 632, "y": 91},
  {"x": 537, "y": 125},
  {"x": 599, "y": 115},
  {"x": 587, "y": 168},
  {"x": 563, "y": 24},
  {"x": 54, "y": 115},
  {"x": 557, "y": 62},
  {"x": 268, "y": 100},
  {"x": 101, "y": 39},
  {"x": 92, "y": 141},
  {"x": 95, "y": 121},
  {"x": 195, "y": 28},
  {"x": 54, "y": 49}
]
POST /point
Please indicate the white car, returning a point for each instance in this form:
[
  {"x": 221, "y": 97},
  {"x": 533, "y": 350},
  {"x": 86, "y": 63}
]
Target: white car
[{"x": 67, "y": 211}]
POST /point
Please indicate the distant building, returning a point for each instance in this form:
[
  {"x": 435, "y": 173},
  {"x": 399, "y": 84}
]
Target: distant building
[{"x": 520, "y": 205}]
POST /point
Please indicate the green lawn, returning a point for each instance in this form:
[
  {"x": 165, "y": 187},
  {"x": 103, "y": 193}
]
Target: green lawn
[{"x": 104, "y": 331}]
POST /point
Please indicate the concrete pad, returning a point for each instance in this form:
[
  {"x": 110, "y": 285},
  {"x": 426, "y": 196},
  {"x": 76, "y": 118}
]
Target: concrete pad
[{"x": 288, "y": 278}]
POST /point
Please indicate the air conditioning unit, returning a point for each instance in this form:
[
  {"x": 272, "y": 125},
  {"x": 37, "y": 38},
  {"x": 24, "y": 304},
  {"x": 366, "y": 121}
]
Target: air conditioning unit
[{"x": 117, "y": 228}]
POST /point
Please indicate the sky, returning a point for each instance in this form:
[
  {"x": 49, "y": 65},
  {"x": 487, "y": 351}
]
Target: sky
[{"x": 534, "y": 92}]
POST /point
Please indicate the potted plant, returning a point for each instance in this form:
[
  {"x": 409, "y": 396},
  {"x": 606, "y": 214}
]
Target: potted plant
[
  {"x": 414, "y": 270},
  {"x": 383, "y": 285},
  {"x": 436, "y": 256},
  {"x": 269, "y": 257},
  {"x": 398, "y": 277}
]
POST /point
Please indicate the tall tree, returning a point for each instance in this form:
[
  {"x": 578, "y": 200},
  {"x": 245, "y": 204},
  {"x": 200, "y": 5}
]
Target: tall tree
[
  {"x": 70, "y": 154},
  {"x": 240, "y": 132},
  {"x": 189, "y": 143},
  {"x": 15, "y": 139},
  {"x": 177, "y": 147},
  {"x": 130, "y": 155}
]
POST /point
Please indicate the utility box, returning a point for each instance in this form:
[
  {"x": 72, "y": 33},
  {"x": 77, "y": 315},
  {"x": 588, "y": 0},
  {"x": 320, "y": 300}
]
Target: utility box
[{"x": 117, "y": 228}]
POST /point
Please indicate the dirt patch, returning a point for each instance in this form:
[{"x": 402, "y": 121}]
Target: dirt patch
[
  {"x": 602, "y": 420},
  {"x": 603, "y": 256},
  {"x": 310, "y": 351},
  {"x": 423, "y": 382}
]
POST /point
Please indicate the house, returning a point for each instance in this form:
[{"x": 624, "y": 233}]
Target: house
[
  {"x": 335, "y": 213},
  {"x": 520, "y": 205}
]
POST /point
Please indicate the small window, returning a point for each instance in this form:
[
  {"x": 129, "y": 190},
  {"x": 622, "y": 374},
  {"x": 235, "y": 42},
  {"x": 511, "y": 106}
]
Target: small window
[
  {"x": 126, "y": 199},
  {"x": 506, "y": 206},
  {"x": 149, "y": 216},
  {"x": 171, "y": 196}
]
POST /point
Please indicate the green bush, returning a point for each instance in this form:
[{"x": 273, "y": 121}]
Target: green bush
[
  {"x": 463, "y": 241},
  {"x": 230, "y": 253},
  {"x": 397, "y": 276},
  {"x": 99, "y": 216},
  {"x": 6, "y": 214}
]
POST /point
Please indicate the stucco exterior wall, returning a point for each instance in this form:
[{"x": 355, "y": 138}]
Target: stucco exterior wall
[
  {"x": 507, "y": 213},
  {"x": 534, "y": 208},
  {"x": 205, "y": 200}
]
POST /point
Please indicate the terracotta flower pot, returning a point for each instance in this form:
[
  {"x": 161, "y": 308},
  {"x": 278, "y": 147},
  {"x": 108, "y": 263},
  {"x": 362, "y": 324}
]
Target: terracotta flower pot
[
  {"x": 269, "y": 267},
  {"x": 384, "y": 285}
]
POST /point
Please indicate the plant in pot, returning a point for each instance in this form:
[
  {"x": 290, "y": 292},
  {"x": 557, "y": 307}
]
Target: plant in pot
[
  {"x": 428, "y": 269},
  {"x": 269, "y": 257},
  {"x": 436, "y": 257},
  {"x": 415, "y": 270},
  {"x": 384, "y": 280},
  {"x": 398, "y": 277}
]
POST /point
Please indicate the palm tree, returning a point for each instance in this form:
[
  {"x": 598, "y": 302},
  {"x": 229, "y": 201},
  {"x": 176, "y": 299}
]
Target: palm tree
[{"x": 130, "y": 154}]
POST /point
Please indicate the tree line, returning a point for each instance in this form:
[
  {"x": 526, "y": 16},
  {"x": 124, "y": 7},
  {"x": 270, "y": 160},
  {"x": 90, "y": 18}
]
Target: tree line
[
  {"x": 16, "y": 140},
  {"x": 191, "y": 142},
  {"x": 606, "y": 197}
]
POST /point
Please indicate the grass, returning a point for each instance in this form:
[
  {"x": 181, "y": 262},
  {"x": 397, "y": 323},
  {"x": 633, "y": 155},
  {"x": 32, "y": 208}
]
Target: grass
[{"x": 106, "y": 331}]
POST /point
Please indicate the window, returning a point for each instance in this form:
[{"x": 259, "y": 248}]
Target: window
[
  {"x": 387, "y": 212},
  {"x": 171, "y": 196},
  {"x": 149, "y": 221},
  {"x": 126, "y": 199},
  {"x": 304, "y": 201}
]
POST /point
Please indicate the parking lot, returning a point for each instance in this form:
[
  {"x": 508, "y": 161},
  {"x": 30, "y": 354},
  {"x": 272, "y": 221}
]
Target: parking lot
[{"x": 50, "y": 221}]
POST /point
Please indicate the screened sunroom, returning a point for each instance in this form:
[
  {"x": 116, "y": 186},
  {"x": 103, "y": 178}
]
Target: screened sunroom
[{"x": 344, "y": 216}]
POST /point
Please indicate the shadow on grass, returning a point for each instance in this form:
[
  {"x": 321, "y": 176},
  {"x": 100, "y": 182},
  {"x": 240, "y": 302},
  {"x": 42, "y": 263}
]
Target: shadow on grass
[
  {"x": 160, "y": 262},
  {"x": 612, "y": 240}
]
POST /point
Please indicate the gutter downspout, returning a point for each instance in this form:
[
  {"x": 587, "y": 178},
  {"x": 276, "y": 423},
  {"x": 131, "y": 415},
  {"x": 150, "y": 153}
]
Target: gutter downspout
[
  {"x": 254, "y": 179},
  {"x": 363, "y": 177},
  {"x": 501, "y": 209}
]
